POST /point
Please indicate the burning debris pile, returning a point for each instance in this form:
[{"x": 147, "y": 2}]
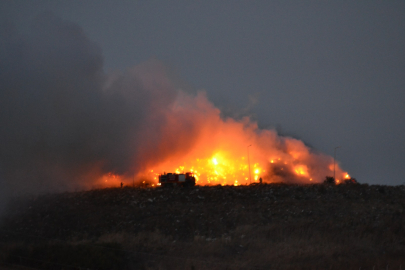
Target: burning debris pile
[{"x": 357, "y": 222}]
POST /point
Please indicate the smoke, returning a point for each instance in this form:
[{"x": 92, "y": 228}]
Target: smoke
[
  {"x": 65, "y": 123},
  {"x": 60, "y": 126}
]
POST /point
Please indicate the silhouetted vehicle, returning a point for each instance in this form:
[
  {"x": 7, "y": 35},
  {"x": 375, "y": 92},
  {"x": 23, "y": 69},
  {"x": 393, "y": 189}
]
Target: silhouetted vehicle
[{"x": 174, "y": 179}]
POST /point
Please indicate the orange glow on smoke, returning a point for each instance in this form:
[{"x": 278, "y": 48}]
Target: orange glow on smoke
[
  {"x": 110, "y": 180},
  {"x": 197, "y": 139}
]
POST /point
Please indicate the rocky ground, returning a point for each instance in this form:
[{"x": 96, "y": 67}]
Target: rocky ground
[{"x": 274, "y": 226}]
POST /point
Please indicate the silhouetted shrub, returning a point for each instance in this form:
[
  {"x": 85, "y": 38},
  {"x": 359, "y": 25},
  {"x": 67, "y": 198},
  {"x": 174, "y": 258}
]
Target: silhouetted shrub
[
  {"x": 329, "y": 180},
  {"x": 351, "y": 181}
]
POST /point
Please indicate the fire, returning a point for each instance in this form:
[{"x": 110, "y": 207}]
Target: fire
[
  {"x": 214, "y": 160},
  {"x": 219, "y": 169},
  {"x": 301, "y": 170},
  {"x": 227, "y": 151},
  {"x": 223, "y": 169}
]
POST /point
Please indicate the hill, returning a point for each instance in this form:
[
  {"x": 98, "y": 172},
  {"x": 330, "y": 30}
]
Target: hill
[{"x": 273, "y": 226}]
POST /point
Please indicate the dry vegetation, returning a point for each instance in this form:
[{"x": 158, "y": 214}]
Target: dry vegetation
[{"x": 247, "y": 227}]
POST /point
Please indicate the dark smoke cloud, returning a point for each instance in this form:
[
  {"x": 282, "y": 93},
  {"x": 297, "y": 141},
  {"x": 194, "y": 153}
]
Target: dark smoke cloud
[{"x": 63, "y": 121}]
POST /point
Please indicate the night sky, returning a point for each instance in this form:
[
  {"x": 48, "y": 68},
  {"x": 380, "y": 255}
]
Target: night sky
[{"x": 331, "y": 73}]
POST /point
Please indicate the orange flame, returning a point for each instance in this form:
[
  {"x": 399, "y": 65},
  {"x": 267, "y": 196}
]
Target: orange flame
[
  {"x": 220, "y": 153},
  {"x": 196, "y": 139}
]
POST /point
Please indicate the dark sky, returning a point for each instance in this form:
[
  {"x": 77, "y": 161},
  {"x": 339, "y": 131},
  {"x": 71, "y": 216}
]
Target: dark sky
[{"x": 331, "y": 73}]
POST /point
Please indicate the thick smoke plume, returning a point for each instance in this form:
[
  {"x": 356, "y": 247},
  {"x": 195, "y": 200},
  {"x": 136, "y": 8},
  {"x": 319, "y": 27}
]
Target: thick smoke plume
[{"x": 65, "y": 124}]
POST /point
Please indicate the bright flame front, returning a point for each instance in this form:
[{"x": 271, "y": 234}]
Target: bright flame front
[{"x": 227, "y": 151}]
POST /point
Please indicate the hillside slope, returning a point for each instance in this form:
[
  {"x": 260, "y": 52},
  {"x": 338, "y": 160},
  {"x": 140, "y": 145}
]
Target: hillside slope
[{"x": 273, "y": 226}]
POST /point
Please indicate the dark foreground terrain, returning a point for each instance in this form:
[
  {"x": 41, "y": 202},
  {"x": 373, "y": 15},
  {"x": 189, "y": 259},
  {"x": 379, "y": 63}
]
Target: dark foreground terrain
[{"x": 247, "y": 227}]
